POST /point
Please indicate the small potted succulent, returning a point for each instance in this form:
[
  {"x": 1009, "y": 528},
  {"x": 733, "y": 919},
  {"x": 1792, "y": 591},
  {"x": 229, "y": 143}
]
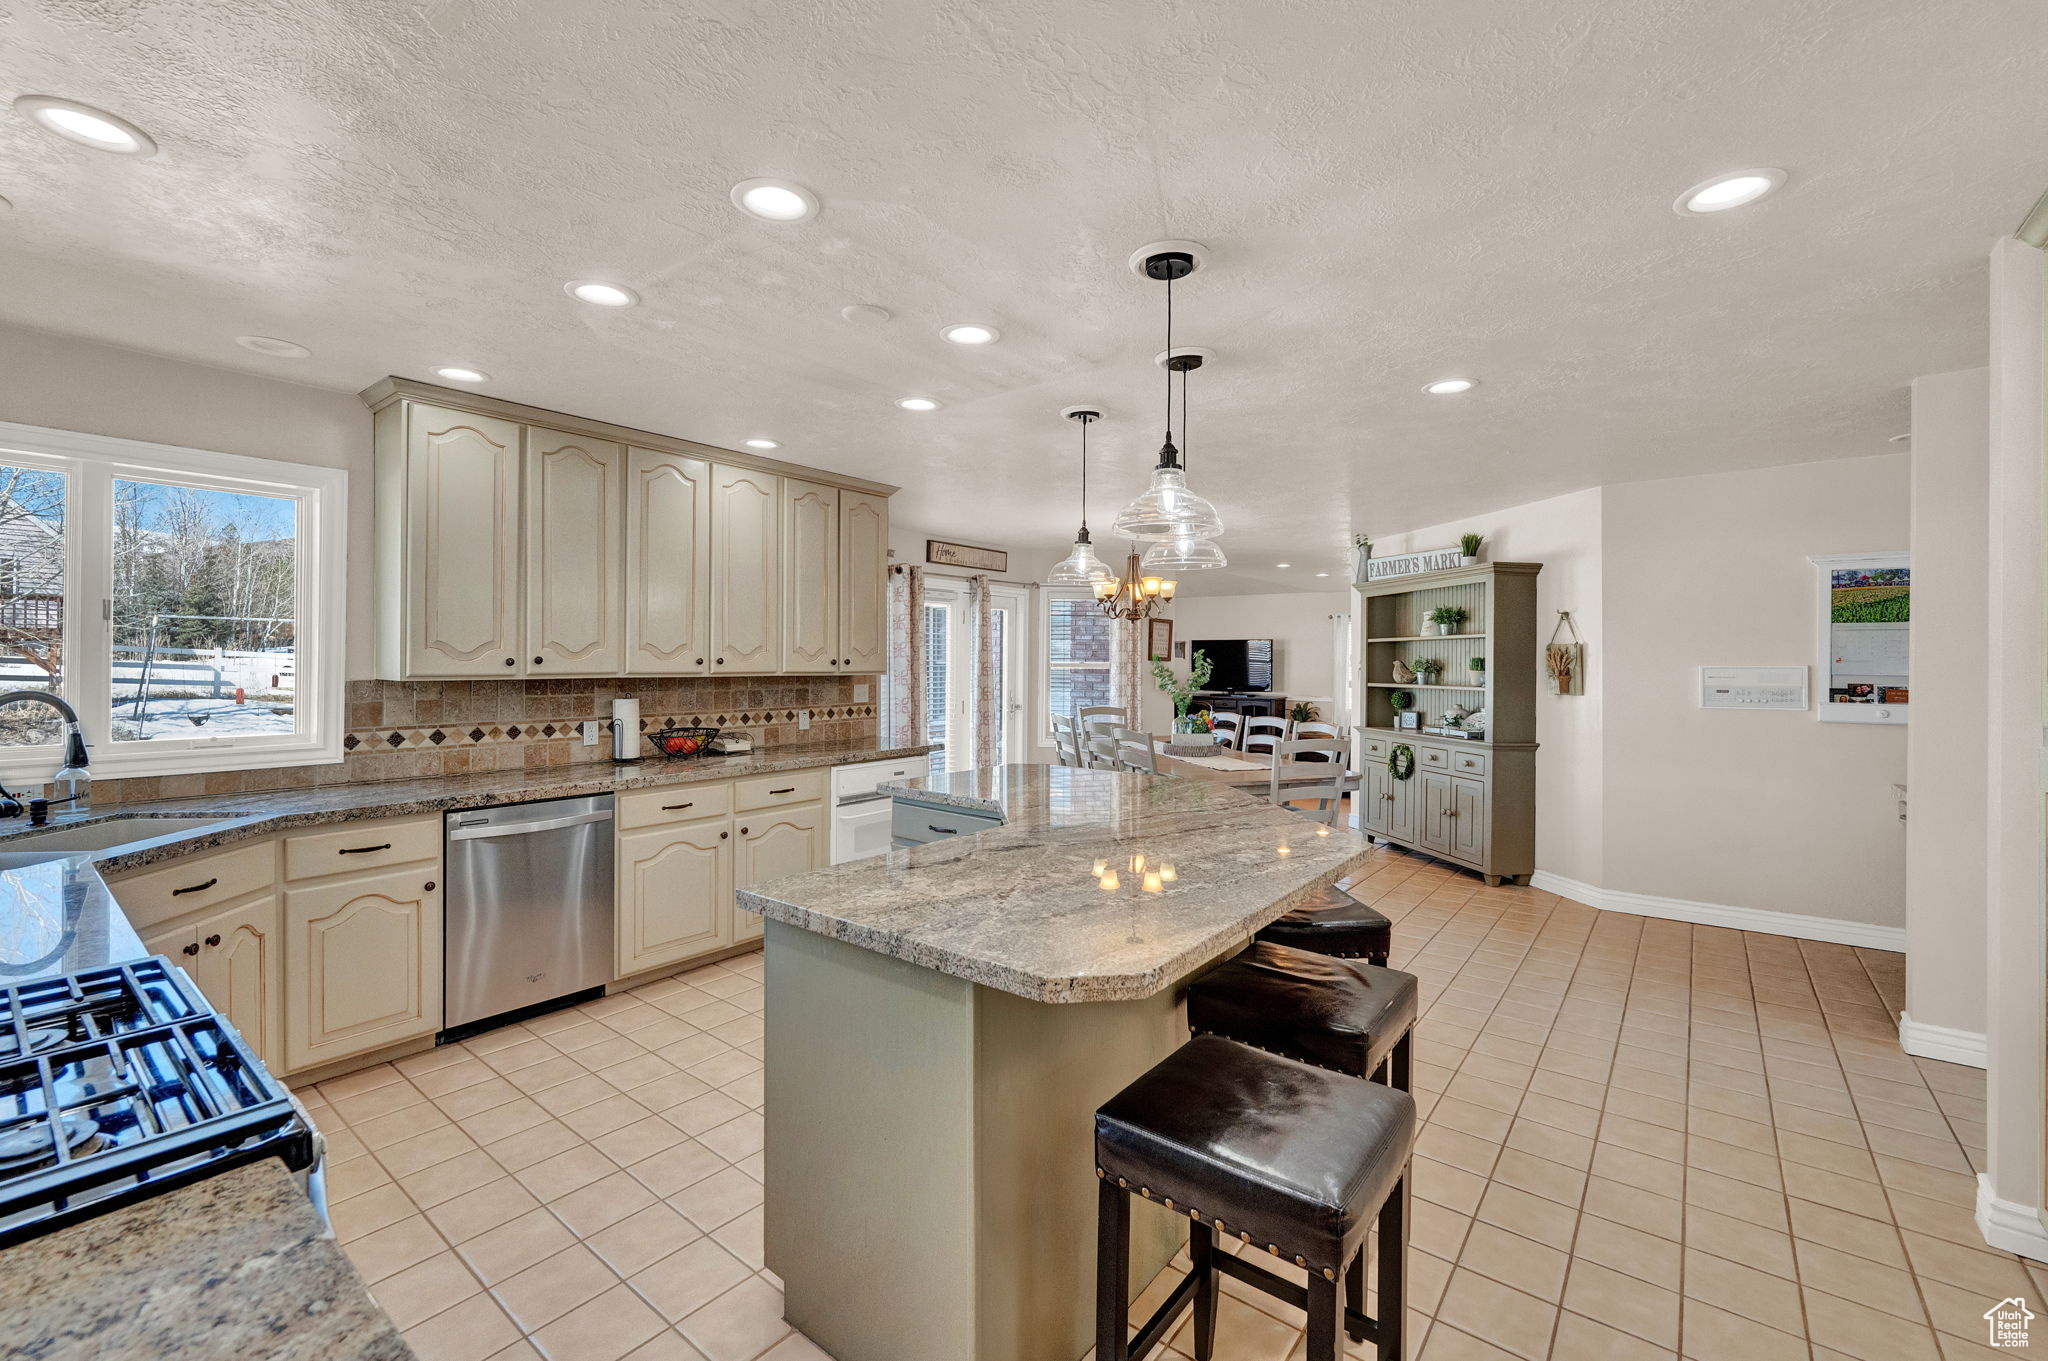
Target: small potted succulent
[
  {"x": 1426, "y": 669},
  {"x": 1468, "y": 547},
  {"x": 1477, "y": 669},
  {"x": 1448, "y": 619}
]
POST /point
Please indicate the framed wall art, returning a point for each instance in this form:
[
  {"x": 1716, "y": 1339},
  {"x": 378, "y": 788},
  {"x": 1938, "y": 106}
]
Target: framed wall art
[{"x": 1864, "y": 624}]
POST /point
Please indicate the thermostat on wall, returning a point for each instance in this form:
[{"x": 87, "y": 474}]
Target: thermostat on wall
[{"x": 1753, "y": 687}]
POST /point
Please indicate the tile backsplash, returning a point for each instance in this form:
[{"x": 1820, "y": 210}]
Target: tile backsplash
[{"x": 399, "y": 730}]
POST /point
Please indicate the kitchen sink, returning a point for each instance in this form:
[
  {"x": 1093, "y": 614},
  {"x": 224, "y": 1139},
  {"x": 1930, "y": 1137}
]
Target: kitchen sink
[{"x": 99, "y": 835}]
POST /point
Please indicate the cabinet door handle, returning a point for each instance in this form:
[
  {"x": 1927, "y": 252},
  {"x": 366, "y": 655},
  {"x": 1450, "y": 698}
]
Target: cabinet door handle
[
  {"x": 213, "y": 940},
  {"x": 942, "y": 831},
  {"x": 536, "y": 661},
  {"x": 429, "y": 888},
  {"x": 700, "y": 661},
  {"x": 191, "y": 949},
  {"x": 722, "y": 835},
  {"x": 677, "y": 807},
  {"x": 743, "y": 831},
  {"x": 790, "y": 790},
  {"x": 363, "y": 850},
  {"x": 510, "y": 662},
  {"x": 195, "y": 888},
  {"x": 721, "y": 661}
]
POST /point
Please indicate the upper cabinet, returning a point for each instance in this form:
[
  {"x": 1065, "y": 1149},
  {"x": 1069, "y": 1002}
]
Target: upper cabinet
[
  {"x": 746, "y": 570},
  {"x": 863, "y": 582},
  {"x": 574, "y": 561},
  {"x": 515, "y": 542},
  {"x": 668, "y": 564},
  {"x": 810, "y": 576}
]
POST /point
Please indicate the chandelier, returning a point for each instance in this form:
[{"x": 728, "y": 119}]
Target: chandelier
[
  {"x": 1081, "y": 567},
  {"x": 1168, "y": 510},
  {"x": 1134, "y": 595}
]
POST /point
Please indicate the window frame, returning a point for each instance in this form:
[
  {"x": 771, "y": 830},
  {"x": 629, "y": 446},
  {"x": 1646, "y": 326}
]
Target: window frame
[
  {"x": 92, "y": 464},
  {"x": 1046, "y": 665}
]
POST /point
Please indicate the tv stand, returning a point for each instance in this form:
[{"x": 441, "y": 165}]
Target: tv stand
[{"x": 1252, "y": 704}]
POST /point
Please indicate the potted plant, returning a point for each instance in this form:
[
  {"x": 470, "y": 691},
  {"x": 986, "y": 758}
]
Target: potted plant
[
  {"x": 1468, "y": 545},
  {"x": 1448, "y": 619},
  {"x": 1361, "y": 555},
  {"x": 1181, "y": 690},
  {"x": 1400, "y": 700},
  {"x": 1477, "y": 667},
  {"x": 1303, "y": 712},
  {"x": 1426, "y": 669}
]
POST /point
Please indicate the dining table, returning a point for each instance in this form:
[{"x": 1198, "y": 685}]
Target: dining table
[{"x": 1247, "y": 770}]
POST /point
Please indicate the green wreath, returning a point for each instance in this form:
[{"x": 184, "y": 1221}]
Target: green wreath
[{"x": 1401, "y": 761}]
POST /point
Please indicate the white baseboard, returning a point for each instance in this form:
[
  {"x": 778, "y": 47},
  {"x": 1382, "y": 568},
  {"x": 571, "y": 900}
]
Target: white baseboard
[
  {"x": 1832, "y": 929},
  {"x": 1942, "y": 1042},
  {"x": 2009, "y": 1226}
]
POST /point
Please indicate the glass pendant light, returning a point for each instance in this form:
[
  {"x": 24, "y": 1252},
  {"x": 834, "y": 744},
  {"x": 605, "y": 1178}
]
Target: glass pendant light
[
  {"x": 1183, "y": 552},
  {"x": 1167, "y": 509},
  {"x": 1081, "y": 567}
]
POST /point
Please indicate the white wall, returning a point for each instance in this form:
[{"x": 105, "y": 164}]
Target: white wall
[
  {"x": 1764, "y": 810},
  {"x": 1562, "y": 533},
  {"x": 1951, "y": 522},
  {"x": 100, "y": 390},
  {"x": 1299, "y": 624}
]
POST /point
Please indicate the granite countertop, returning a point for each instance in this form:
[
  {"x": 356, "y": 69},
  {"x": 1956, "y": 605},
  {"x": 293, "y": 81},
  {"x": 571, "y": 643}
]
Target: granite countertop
[
  {"x": 56, "y": 915},
  {"x": 232, "y": 1266},
  {"x": 1031, "y": 908}
]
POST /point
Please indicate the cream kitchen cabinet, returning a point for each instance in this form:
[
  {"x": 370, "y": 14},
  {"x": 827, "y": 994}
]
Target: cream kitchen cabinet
[
  {"x": 447, "y": 534},
  {"x": 362, "y": 963},
  {"x": 746, "y": 571},
  {"x": 236, "y": 957},
  {"x": 573, "y": 559},
  {"x": 810, "y": 577},
  {"x": 674, "y": 893},
  {"x": 863, "y": 583},
  {"x": 668, "y": 564},
  {"x": 775, "y": 844}
]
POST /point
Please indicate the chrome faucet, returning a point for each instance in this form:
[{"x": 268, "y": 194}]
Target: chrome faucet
[{"x": 71, "y": 784}]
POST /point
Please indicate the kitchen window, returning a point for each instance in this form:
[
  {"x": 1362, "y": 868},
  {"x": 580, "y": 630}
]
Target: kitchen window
[
  {"x": 189, "y": 605},
  {"x": 1078, "y": 639}
]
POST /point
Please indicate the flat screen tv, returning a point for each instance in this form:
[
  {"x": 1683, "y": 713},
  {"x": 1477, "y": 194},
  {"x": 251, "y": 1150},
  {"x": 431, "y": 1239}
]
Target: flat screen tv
[{"x": 1237, "y": 663}]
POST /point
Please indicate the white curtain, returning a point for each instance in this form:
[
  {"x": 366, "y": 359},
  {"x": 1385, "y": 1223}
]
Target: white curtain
[
  {"x": 1128, "y": 669},
  {"x": 905, "y": 724},
  {"x": 987, "y": 699}
]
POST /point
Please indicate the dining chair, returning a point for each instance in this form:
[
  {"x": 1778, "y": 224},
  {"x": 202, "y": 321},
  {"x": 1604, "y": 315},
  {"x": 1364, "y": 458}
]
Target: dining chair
[
  {"x": 1325, "y": 731},
  {"x": 1135, "y": 751},
  {"x": 1229, "y": 728},
  {"x": 1097, "y": 724},
  {"x": 1310, "y": 768},
  {"x": 1066, "y": 740},
  {"x": 1264, "y": 734}
]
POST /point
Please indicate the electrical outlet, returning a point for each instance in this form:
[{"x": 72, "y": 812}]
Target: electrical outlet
[
  {"x": 589, "y": 732},
  {"x": 803, "y": 720},
  {"x": 860, "y": 694}
]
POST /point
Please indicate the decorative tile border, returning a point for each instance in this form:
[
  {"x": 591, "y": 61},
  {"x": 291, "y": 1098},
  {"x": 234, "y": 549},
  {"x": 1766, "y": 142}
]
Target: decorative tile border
[{"x": 452, "y": 736}]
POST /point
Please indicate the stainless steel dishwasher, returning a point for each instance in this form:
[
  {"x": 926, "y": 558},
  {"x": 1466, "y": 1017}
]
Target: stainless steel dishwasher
[{"x": 528, "y": 907}]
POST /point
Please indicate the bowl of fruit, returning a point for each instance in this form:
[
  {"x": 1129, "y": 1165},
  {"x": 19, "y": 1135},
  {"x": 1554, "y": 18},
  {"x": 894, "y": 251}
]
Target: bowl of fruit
[{"x": 682, "y": 741}]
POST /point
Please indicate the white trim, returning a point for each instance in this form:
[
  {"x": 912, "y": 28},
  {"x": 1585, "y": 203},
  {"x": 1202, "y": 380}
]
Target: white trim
[
  {"x": 2008, "y": 1225},
  {"x": 93, "y": 463},
  {"x": 1836, "y": 930},
  {"x": 1926, "y": 1040}
]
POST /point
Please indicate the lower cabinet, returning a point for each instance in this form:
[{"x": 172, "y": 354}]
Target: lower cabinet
[
  {"x": 1387, "y": 806},
  {"x": 363, "y": 959},
  {"x": 1453, "y": 816},
  {"x": 775, "y": 844},
  {"x": 675, "y": 893},
  {"x": 235, "y": 956}
]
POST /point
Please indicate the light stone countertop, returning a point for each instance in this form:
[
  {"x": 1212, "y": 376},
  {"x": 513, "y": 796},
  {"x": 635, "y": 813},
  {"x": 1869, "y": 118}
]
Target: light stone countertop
[
  {"x": 230, "y": 1267},
  {"x": 1029, "y": 907}
]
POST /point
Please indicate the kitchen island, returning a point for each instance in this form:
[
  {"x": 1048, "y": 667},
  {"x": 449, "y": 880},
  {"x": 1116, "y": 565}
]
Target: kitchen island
[{"x": 942, "y": 1022}]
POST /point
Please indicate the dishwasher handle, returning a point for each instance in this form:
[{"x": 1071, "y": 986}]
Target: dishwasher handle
[{"x": 479, "y": 833}]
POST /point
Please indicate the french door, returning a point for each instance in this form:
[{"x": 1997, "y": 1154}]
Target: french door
[{"x": 951, "y": 678}]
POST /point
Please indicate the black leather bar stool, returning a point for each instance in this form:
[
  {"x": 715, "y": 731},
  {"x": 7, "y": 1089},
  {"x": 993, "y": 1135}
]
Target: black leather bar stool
[
  {"x": 1334, "y": 923},
  {"x": 1335, "y": 1013},
  {"x": 1295, "y": 1159}
]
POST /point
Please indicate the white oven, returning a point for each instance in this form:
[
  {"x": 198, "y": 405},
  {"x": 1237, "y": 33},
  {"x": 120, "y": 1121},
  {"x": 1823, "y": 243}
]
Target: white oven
[{"x": 861, "y": 811}]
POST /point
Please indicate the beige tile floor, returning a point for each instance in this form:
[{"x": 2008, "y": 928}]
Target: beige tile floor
[{"x": 1642, "y": 1140}]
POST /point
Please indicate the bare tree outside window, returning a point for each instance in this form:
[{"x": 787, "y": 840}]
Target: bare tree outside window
[
  {"x": 204, "y": 596},
  {"x": 31, "y": 599}
]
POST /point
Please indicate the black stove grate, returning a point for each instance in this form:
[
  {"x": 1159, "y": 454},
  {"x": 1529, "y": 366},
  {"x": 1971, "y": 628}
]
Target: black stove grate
[{"x": 120, "y": 1083}]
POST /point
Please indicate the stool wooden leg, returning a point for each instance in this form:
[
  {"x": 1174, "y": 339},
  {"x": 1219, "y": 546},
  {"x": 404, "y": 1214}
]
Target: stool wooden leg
[
  {"x": 1354, "y": 1290},
  {"x": 1201, "y": 1249},
  {"x": 1325, "y": 1319},
  {"x": 1398, "y": 1073},
  {"x": 1392, "y": 1314},
  {"x": 1112, "y": 1273}
]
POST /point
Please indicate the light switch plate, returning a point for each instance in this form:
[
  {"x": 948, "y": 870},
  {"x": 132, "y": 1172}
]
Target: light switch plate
[{"x": 803, "y": 720}]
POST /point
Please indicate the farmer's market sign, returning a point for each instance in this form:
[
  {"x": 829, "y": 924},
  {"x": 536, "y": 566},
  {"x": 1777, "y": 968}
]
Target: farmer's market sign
[{"x": 1410, "y": 564}]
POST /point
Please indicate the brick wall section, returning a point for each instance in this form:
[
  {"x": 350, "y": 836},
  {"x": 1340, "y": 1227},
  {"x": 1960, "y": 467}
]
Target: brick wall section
[{"x": 405, "y": 730}]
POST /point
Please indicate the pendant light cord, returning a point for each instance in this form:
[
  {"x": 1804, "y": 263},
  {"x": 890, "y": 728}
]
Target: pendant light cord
[
  {"x": 1169, "y": 355},
  {"x": 1084, "y": 474},
  {"x": 1184, "y": 420}
]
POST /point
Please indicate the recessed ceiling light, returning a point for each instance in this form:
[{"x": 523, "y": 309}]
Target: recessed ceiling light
[
  {"x": 1450, "y": 387},
  {"x": 971, "y": 333},
  {"x": 1283, "y": 564},
  {"x": 866, "y": 313},
  {"x": 1901, "y": 439},
  {"x": 1322, "y": 574},
  {"x": 762, "y": 444},
  {"x": 602, "y": 294},
  {"x": 917, "y": 404},
  {"x": 275, "y": 348},
  {"x": 775, "y": 200},
  {"x": 85, "y": 125},
  {"x": 1723, "y": 192},
  {"x": 455, "y": 373}
]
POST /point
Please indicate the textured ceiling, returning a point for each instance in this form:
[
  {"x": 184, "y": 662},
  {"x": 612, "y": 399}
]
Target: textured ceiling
[{"x": 1391, "y": 193}]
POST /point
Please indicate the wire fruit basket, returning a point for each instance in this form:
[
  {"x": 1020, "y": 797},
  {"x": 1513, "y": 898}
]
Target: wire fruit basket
[{"x": 682, "y": 741}]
